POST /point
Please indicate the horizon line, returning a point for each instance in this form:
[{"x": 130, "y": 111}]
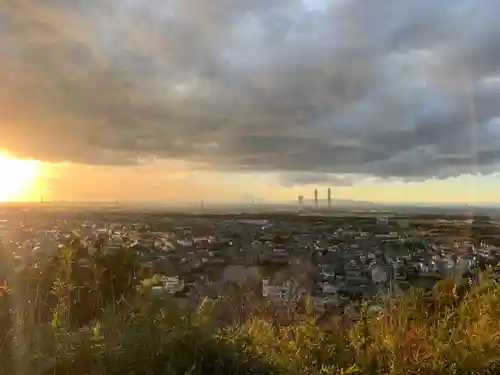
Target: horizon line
[{"x": 290, "y": 203}]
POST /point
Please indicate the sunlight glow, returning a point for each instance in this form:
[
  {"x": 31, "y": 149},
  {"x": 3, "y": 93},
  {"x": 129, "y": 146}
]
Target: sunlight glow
[{"x": 17, "y": 178}]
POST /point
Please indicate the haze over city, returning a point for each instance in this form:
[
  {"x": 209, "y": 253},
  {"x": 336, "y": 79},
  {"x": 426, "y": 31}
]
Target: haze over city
[{"x": 224, "y": 101}]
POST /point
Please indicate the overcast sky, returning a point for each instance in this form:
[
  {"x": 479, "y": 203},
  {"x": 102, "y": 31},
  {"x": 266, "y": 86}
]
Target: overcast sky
[{"x": 222, "y": 98}]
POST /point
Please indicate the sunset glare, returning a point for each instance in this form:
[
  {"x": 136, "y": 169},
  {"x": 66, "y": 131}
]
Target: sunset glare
[{"x": 17, "y": 178}]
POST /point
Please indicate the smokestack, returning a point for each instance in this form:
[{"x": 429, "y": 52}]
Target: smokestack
[
  {"x": 316, "y": 198},
  {"x": 329, "y": 198}
]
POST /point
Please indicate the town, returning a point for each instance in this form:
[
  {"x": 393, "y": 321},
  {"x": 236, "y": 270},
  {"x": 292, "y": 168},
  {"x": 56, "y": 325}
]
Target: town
[{"x": 335, "y": 260}]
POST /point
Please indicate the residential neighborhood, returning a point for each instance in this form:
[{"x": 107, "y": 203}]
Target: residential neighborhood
[{"x": 335, "y": 261}]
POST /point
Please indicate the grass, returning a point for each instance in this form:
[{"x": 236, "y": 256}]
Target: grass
[{"x": 79, "y": 313}]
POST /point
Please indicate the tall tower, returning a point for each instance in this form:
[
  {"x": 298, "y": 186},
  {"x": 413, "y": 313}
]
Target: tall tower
[
  {"x": 301, "y": 200},
  {"x": 316, "y": 198},
  {"x": 329, "y": 198}
]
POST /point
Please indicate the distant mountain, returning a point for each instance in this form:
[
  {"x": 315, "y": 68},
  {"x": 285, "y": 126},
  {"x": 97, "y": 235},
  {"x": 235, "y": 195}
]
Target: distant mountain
[{"x": 336, "y": 202}]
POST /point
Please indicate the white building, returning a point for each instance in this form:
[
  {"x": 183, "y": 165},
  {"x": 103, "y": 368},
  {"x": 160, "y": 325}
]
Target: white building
[
  {"x": 169, "y": 284},
  {"x": 281, "y": 292},
  {"x": 379, "y": 274},
  {"x": 383, "y": 220},
  {"x": 260, "y": 222}
]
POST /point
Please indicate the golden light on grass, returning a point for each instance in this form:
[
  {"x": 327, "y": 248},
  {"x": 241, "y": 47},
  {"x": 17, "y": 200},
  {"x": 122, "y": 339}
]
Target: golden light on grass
[{"x": 18, "y": 178}]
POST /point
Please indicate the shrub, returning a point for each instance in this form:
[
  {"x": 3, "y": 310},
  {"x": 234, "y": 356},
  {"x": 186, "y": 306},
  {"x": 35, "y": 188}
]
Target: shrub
[{"x": 80, "y": 313}]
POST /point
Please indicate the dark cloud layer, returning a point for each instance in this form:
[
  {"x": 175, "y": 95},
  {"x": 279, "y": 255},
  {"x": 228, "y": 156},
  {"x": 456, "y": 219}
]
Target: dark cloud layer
[
  {"x": 305, "y": 178},
  {"x": 404, "y": 89}
]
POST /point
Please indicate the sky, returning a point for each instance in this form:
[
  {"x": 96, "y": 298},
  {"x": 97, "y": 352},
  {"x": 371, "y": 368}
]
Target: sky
[{"x": 181, "y": 100}]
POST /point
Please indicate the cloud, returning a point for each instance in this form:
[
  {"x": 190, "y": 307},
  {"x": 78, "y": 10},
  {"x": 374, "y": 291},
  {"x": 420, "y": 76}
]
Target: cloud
[
  {"x": 404, "y": 89},
  {"x": 307, "y": 178}
]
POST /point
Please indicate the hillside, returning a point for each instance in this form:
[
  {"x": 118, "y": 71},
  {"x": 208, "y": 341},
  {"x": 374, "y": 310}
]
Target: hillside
[{"x": 80, "y": 313}]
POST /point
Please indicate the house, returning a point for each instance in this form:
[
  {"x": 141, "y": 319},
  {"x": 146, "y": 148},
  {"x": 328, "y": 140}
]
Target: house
[
  {"x": 278, "y": 292},
  {"x": 379, "y": 273},
  {"x": 382, "y": 220}
]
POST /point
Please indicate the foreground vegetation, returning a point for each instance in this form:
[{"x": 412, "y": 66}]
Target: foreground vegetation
[{"x": 80, "y": 313}]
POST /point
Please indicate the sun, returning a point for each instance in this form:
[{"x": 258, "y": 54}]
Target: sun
[{"x": 17, "y": 178}]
